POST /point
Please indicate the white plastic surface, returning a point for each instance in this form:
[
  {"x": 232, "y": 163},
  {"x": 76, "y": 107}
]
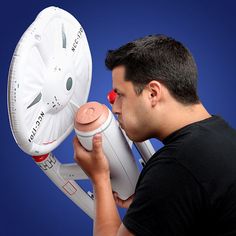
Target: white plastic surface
[
  {"x": 49, "y": 78},
  {"x": 52, "y": 167},
  {"x": 145, "y": 149},
  {"x": 72, "y": 171},
  {"x": 124, "y": 171}
]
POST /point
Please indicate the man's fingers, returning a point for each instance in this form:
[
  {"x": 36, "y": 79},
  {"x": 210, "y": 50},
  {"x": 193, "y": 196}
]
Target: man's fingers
[
  {"x": 76, "y": 142},
  {"x": 122, "y": 203},
  {"x": 97, "y": 144},
  {"x": 115, "y": 195},
  {"x": 118, "y": 201}
]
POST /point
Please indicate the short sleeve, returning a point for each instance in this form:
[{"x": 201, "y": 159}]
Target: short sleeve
[{"x": 168, "y": 201}]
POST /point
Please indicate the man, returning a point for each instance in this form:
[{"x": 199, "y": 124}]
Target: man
[{"x": 188, "y": 187}]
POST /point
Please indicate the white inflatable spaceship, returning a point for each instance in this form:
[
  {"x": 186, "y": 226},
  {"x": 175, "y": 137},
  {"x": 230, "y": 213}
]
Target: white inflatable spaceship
[{"x": 49, "y": 80}]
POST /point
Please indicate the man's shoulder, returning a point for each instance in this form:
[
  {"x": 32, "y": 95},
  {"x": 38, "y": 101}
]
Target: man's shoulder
[
  {"x": 200, "y": 137},
  {"x": 206, "y": 150}
]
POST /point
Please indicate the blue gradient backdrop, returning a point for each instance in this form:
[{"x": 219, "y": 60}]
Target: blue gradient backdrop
[{"x": 29, "y": 203}]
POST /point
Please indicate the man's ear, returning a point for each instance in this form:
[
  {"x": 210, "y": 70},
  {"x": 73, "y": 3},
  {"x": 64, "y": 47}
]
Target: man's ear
[{"x": 154, "y": 92}]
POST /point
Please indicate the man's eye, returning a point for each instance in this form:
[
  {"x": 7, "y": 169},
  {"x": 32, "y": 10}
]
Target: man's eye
[{"x": 119, "y": 95}]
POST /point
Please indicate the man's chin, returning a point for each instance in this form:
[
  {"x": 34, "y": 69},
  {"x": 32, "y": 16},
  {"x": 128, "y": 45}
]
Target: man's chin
[
  {"x": 121, "y": 126},
  {"x": 134, "y": 138}
]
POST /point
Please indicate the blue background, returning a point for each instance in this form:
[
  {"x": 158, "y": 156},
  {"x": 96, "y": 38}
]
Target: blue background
[{"x": 29, "y": 203}]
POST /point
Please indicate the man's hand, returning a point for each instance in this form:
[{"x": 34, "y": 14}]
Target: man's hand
[
  {"x": 123, "y": 203},
  {"x": 94, "y": 163}
]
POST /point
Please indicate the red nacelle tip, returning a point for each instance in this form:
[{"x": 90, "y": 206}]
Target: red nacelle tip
[
  {"x": 40, "y": 158},
  {"x": 111, "y": 96}
]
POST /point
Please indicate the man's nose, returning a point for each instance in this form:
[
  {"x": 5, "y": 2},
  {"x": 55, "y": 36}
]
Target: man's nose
[{"x": 115, "y": 108}]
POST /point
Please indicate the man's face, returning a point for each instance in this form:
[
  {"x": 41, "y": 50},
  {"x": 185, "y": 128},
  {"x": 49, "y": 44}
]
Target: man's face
[{"x": 130, "y": 108}]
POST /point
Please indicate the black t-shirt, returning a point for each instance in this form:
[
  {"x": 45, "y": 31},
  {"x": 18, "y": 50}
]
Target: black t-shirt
[{"x": 188, "y": 187}]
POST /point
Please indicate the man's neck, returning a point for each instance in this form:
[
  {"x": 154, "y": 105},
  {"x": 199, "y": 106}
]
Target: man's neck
[{"x": 180, "y": 116}]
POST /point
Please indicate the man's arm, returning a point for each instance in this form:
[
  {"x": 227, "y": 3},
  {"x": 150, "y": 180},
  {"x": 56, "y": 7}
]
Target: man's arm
[{"x": 107, "y": 220}]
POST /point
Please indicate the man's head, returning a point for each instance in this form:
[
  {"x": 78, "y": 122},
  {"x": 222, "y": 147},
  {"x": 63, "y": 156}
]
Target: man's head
[
  {"x": 160, "y": 58},
  {"x": 150, "y": 75}
]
